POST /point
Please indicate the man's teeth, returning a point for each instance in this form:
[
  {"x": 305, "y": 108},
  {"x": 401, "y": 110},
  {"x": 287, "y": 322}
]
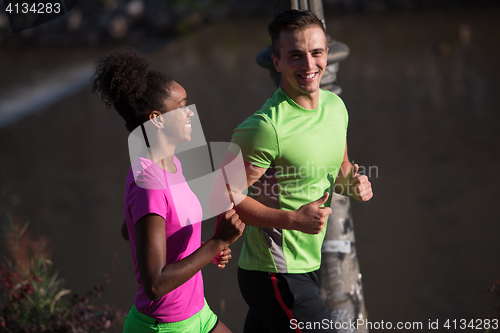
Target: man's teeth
[
  {"x": 310, "y": 76},
  {"x": 188, "y": 125}
]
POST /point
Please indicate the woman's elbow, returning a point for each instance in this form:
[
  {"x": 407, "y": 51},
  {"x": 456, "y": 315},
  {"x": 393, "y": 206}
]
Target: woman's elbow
[
  {"x": 155, "y": 291},
  {"x": 125, "y": 231},
  {"x": 153, "y": 294}
]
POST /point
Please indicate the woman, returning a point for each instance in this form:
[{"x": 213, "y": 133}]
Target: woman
[{"x": 162, "y": 214}]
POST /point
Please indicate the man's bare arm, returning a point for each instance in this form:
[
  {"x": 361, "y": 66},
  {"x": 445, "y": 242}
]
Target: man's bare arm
[
  {"x": 309, "y": 218},
  {"x": 350, "y": 183}
]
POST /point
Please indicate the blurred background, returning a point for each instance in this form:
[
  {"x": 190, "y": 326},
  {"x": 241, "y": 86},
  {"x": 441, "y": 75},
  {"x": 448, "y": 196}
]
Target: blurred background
[{"x": 421, "y": 85}]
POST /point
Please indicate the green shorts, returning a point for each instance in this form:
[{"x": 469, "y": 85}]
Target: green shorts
[{"x": 204, "y": 321}]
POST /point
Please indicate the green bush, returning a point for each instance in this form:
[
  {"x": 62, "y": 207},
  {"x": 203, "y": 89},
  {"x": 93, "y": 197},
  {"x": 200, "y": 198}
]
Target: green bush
[{"x": 33, "y": 298}]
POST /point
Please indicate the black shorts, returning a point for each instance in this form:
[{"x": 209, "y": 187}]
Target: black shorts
[{"x": 283, "y": 302}]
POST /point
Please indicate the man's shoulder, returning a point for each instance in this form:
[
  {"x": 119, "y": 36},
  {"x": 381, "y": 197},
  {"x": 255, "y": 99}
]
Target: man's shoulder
[
  {"x": 272, "y": 104},
  {"x": 260, "y": 118},
  {"x": 327, "y": 95},
  {"x": 332, "y": 102},
  {"x": 266, "y": 113},
  {"x": 257, "y": 135}
]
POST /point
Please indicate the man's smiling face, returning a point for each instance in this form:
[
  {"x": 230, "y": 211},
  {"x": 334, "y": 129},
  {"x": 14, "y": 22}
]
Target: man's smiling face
[{"x": 302, "y": 61}]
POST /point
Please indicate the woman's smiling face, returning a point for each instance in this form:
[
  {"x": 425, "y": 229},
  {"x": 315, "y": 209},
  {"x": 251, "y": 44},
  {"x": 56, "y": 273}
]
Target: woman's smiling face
[{"x": 177, "y": 119}]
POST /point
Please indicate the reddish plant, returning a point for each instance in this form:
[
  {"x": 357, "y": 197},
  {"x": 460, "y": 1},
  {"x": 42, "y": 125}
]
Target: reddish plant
[{"x": 32, "y": 296}]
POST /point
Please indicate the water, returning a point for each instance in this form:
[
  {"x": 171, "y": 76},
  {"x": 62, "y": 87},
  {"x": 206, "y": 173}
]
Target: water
[{"x": 421, "y": 92}]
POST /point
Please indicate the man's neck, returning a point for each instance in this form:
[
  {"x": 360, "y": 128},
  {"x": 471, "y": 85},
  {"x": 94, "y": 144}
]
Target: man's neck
[{"x": 307, "y": 101}]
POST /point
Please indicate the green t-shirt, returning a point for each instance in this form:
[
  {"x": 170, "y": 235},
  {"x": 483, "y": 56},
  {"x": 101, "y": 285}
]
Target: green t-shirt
[{"x": 302, "y": 150}]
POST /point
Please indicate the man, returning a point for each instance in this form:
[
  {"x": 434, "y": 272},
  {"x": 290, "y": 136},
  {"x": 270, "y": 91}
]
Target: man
[{"x": 295, "y": 151}]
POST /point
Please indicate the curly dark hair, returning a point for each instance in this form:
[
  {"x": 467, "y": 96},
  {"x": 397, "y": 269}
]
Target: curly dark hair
[
  {"x": 124, "y": 81},
  {"x": 291, "y": 20}
]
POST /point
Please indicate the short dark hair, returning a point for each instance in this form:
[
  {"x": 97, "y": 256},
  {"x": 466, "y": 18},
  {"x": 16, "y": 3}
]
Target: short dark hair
[
  {"x": 123, "y": 80},
  {"x": 291, "y": 20}
]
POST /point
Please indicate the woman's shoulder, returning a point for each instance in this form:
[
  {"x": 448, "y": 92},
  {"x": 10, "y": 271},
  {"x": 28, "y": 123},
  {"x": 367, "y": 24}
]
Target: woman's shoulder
[{"x": 147, "y": 175}]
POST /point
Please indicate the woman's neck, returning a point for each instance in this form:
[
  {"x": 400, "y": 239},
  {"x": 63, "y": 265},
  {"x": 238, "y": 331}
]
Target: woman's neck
[
  {"x": 164, "y": 158},
  {"x": 168, "y": 164}
]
